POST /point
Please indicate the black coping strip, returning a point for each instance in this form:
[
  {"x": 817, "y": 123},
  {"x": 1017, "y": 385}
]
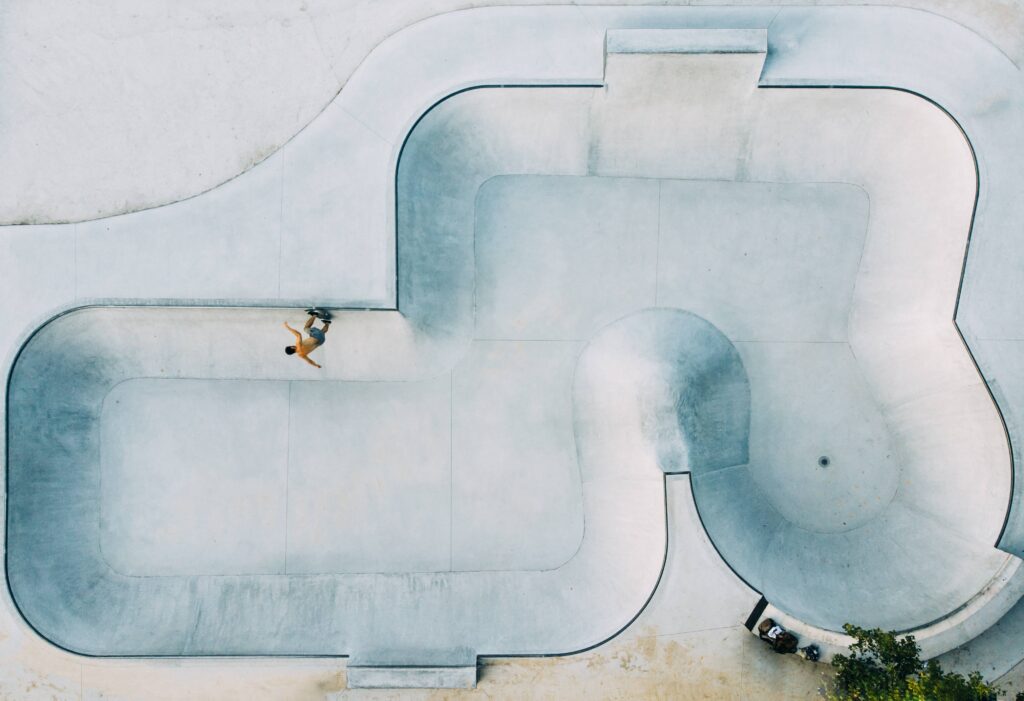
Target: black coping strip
[{"x": 756, "y": 614}]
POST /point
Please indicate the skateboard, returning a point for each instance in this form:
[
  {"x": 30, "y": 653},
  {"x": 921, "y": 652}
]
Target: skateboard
[{"x": 320, "y": 313}]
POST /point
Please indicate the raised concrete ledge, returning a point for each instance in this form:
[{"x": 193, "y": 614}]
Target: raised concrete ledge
[
  {"x": 411, "y": 677},
  {"x": 404, "y": 669},
  {"x": 687, "y": 41}
]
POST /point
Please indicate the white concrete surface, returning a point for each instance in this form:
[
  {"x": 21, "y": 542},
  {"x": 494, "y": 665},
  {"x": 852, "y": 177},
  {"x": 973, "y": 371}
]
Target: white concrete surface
[
  {"x": 894, "y": 318},
  {"x": 781, "y": 233},
  {"x": 512, "y": 416},
  {"x": 226, "y": 438},
  {"x": 548, "y": 272}
]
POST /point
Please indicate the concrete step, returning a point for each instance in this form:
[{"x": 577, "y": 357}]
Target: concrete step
[
  {"x": 686, "y": 41},
  {"x": 399, "y": 668},
  {"x": 412, "y": 677}
]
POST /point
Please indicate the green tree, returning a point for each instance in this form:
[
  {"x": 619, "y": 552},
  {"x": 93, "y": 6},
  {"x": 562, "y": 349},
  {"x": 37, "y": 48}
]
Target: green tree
[{"x": 884, "y": 667}]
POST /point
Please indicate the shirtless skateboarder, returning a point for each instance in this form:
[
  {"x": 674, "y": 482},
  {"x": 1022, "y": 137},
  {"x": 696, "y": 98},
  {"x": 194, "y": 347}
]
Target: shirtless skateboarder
[{"x": 317, "y": 337}]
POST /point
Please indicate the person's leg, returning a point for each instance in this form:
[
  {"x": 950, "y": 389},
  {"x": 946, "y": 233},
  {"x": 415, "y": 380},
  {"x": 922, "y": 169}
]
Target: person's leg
[
  {"x": 326, "y": 326},
  {"x": 309, "y": 322}
]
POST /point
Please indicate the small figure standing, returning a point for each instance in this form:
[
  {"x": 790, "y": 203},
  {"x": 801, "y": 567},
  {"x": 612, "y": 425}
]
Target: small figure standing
[{"x": 317, "y": 337}]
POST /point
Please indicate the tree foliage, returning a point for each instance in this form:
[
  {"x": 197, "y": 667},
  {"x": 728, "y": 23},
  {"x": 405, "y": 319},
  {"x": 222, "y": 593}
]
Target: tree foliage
[{"x": 884, "y": 667}]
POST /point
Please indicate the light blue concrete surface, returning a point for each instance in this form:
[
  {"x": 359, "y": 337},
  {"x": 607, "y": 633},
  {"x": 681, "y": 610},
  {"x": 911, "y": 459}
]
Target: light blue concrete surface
[
  {"x": 550, "y": 272},
  {"x": 781, "y": 234},
  {"x": 369, "y": 467},
  {"x": 512, "y": 415},
  {"x": 226, "y": 438}
]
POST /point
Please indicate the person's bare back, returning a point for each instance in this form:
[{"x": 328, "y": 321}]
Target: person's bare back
[{"x": 316, "y": 337}]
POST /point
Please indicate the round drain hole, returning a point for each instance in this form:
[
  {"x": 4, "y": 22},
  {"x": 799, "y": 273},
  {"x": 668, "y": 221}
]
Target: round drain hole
[{"x": 823, "y": 461}]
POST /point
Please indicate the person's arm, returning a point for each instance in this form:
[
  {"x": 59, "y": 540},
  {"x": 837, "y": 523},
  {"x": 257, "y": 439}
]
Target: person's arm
[
  {"x": 310, "y": 361},
  {"x": 298, "y": 336}
]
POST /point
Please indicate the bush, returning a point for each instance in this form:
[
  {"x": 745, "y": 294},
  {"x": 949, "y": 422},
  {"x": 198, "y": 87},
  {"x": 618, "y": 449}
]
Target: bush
[{"x": 884, "y": 667}]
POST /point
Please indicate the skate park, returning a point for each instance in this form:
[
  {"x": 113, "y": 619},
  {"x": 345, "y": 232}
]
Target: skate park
[{"x": 640, "y": 315}]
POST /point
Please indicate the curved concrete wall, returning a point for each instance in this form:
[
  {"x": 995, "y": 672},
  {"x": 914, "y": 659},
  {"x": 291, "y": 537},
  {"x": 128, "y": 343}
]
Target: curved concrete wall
[
  {"x": 676, "y": 381},
  {"x": 924, "y": 54},
  {"x": 902, "y": 404}
]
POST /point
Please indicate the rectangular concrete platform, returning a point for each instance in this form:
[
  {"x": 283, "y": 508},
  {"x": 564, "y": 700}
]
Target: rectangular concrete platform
[
  {"x": 412, "y": 677},
  {"x": 395, "y": 669},
  {"x": 687, "y": 41}
]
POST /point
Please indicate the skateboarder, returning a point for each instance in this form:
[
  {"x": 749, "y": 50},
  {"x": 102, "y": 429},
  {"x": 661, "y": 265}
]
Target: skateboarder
[{"x": 317, "y": 337}]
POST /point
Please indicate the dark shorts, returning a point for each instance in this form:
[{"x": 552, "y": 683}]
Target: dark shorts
[{"x": 317, "y": 335}]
